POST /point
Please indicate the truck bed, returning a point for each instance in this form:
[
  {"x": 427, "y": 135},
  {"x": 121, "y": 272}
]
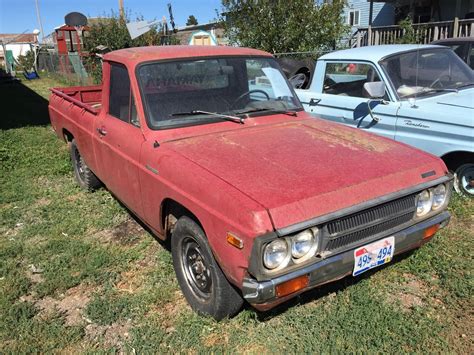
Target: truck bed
[{"x": 86, "y": 97}]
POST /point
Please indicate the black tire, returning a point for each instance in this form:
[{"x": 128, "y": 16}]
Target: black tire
[
  {"x": 84, "y": 176},
  {"x": 463, "y": 177},
  {"x": 201, "y": 280}
]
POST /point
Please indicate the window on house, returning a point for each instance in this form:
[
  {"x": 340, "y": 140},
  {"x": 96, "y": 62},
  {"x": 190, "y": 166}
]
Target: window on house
[
  {"x": 354, "y": 17},
  {"x": 121, "y": 102}
]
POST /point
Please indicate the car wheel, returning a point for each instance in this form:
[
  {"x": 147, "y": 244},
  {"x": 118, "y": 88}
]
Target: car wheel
[
  {"x": 300, "y": 80},
  {"x": 464, "y": 180},
  {"x": 203, "y": 283},
  {"x": 84, "y": 176}
]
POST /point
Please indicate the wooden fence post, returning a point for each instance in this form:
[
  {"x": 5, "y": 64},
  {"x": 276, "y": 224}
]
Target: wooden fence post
[
  {"x": 369, "y": 36},
  {"x": 455, "y": 27},
  {"x": 358, "y": 38}
]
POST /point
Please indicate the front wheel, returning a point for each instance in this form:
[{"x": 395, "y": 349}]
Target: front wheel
[
  {"x": 464, "y": 180},
  {"x": 203, "y": 283}
]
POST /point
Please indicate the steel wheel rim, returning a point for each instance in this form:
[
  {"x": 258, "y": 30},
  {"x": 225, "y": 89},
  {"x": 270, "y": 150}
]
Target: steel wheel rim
[
  {"x": 465, "y": 180},
  {"x": 196, "y": 269}
]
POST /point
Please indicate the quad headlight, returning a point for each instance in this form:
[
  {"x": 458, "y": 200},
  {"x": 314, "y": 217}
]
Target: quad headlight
[
  {"x": 431, "y": 200},
  {"x": 424, "y": 203},
  {"x": 304, "y": 244},
  {"x": 298, "y": 248},
  {"x": 276, "y": 254},
  {"x": 439, "y": 196}
]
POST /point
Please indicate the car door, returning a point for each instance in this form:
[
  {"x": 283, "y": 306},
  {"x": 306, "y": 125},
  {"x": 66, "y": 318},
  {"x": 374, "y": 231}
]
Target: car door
[
  {"x": 119, "y": 140},
  {"x": 339, "y": 96}
]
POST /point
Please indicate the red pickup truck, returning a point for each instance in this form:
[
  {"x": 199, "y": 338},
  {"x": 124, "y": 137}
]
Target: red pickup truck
[{"x": 211, "y": 148}]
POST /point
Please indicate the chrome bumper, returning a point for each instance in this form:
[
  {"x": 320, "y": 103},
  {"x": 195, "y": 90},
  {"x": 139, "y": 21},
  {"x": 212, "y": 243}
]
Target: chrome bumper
[{"x": 337, "y": 266}]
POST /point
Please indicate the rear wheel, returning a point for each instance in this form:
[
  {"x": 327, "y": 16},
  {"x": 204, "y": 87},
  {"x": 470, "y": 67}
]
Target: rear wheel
[
  {"x": 84, "y": 176},
  {"x": 464, "y": 180},
  {"x": 203, "y": 283}
]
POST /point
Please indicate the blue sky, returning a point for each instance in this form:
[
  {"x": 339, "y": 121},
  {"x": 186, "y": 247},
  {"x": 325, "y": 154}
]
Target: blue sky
[{"x": 17, "y": 16}]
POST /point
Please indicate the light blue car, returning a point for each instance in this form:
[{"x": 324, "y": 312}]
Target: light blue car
[{"x": 422, "y": 95}]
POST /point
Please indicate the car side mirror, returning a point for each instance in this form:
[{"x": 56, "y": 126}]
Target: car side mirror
[{"x": 375, "y": 89}]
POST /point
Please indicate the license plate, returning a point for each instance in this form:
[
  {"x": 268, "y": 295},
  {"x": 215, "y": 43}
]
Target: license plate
[{"x": 373, "y": 255}]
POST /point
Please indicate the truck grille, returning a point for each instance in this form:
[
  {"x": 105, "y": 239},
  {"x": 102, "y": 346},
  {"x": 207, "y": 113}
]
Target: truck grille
[{"x": 370, "y": 222}]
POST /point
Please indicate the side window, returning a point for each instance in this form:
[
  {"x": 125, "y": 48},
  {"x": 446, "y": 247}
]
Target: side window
[
  {"x": 348, "y": 79},
  {"x": 121, "y": 101}
]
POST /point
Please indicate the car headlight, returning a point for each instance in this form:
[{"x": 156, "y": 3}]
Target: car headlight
[
  {"x": 439, "y": 196},
  {"x": 424, "y": 203},
  {"x": 304, "y": 244},
  {"x": 276, "y": 254}
]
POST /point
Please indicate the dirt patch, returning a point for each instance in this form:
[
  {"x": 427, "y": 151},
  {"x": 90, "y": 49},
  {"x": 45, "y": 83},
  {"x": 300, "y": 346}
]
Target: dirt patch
[
  {"x": 113, "y": 335},
  {"x": 71, "y": 305},
  {"x": 34, "y": 274},
  {"x": 128, "y": 233},
  {"x": 214, "y": 339},
  {"x": 42, "y": 202},
  {"x": 413, "y": 293}
]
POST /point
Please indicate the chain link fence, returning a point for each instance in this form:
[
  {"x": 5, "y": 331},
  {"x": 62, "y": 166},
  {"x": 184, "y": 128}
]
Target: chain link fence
[{"x": 72, "y": 68}]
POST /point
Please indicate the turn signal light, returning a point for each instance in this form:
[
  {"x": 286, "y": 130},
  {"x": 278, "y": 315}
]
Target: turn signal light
[
  {"x": 235, "y": 241},
  {"x": 431, "y": 231},
  {"x": 292, "y": 286}
]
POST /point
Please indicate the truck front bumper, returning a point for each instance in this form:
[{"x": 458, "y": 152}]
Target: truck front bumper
[{"x": 262, "y": 295}]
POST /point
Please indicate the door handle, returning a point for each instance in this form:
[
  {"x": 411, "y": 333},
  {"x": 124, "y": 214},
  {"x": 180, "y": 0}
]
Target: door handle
[
  {"x": 102, "y": 131},
  {"x": 314, "y": 102}
]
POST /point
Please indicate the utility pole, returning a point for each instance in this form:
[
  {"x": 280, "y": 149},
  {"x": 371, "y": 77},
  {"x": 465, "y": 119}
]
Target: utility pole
[
  {"x": 121, "y": 10},
  {"x": 40, "y": 23}
]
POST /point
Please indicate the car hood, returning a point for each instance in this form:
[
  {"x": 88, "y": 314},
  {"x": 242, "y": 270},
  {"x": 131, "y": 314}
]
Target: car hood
[
  {"x": 303, "y": 169},
  {"x": 454, "y": 107}
]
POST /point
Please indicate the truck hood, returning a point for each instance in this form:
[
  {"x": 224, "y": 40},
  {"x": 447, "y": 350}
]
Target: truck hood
[
  {"x": 455, "y": 107},
  {"x": 303, "y": 169}
]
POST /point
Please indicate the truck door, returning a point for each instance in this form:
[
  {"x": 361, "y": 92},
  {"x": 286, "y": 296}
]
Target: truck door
[
  {"x": 119, "y": 139},
  {"x": 337, "y": 94}
]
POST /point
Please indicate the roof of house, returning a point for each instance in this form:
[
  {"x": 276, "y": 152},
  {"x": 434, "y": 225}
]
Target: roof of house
[
  {"x": 18, "y": 37},
  {"x": 142, "y": 54},
  {"x": 373, "y": 53}
]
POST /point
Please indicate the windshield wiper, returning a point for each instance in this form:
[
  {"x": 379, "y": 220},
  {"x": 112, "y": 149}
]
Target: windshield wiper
[
  {"x": 465, "y": 85},
  {"x": 215, "y": 114},
  {"x": 285, "y": 112}
]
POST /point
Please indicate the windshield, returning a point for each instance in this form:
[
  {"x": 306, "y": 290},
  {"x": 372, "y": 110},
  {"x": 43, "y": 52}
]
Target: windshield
[
  {"x": 426, "y": 72},
  {"x": 174, "y": 93}
]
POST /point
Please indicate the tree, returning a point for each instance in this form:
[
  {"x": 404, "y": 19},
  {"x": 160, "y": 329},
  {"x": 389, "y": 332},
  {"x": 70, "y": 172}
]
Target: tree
[
  {"x": 111, "y": 32},
  {"x": 192, "y": 21},
  {"x": 281, "y": 26},
  {"x": 27, "y": 61}
]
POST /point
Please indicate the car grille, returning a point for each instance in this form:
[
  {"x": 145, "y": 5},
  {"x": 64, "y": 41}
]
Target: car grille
[{"x": 367, "y": 223}]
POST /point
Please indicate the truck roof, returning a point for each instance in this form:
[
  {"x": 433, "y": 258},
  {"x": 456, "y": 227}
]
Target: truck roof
[
  {"x": 373, "y": 53},
  {"x": 143, "y": 54}
]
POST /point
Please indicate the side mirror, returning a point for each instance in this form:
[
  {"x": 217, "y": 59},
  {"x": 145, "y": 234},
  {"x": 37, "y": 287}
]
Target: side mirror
[{"x": 375, "y": 89}]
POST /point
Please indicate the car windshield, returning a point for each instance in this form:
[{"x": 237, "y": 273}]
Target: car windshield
[
  {"x": 427, "y": 72},
  {"x": 185, "y": 92}
]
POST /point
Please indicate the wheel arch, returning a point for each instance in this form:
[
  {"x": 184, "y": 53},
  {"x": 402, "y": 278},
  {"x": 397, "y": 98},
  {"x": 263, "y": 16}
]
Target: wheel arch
[
  {"x": 67, "y": 136},
  {"x": 454, "y": 160},
  {"x": 170, "y": 211}
]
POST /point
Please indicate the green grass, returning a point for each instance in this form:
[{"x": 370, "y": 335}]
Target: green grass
[{"x": 102, "y": 289}]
